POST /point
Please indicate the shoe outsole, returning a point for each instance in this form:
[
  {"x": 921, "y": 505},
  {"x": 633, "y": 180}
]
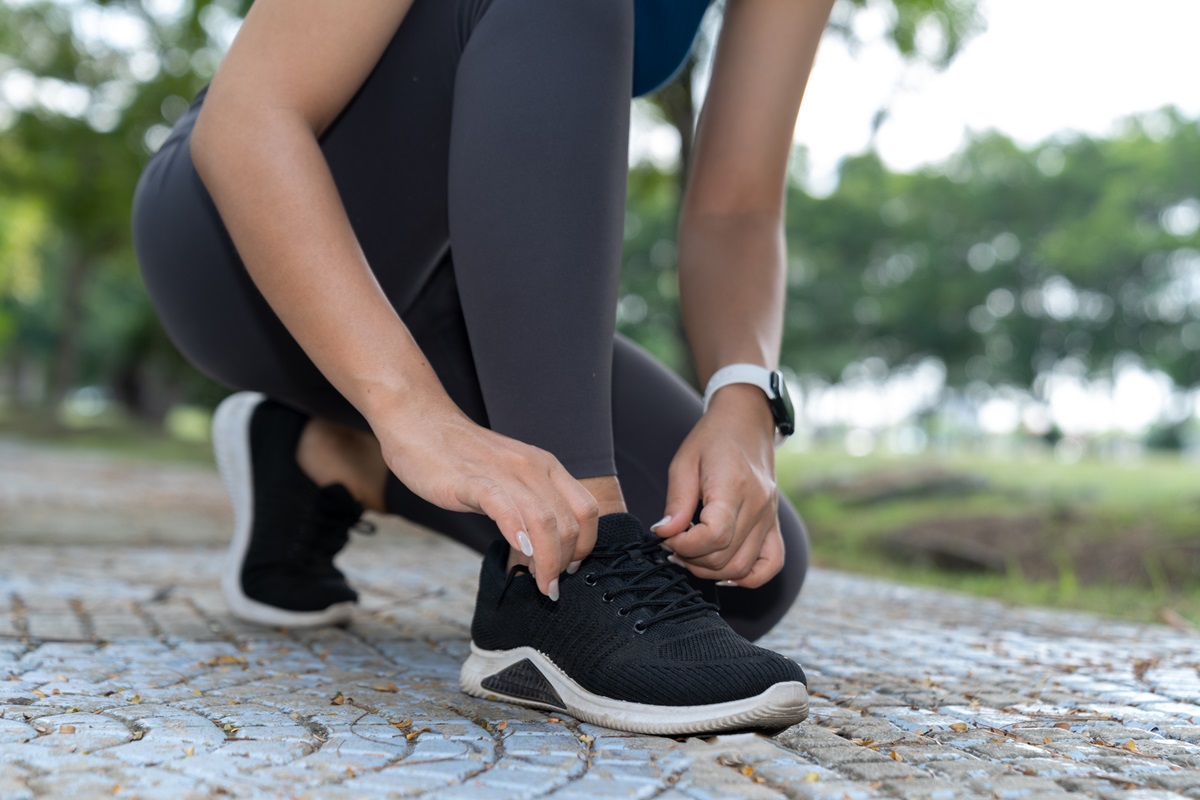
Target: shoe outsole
[
  {"x": 780, "y": 706},
  {"x": 231, "y": 443}
]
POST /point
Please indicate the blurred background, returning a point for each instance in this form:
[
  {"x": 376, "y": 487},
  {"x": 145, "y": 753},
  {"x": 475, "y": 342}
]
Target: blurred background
[{"x": 993, "y": 314}]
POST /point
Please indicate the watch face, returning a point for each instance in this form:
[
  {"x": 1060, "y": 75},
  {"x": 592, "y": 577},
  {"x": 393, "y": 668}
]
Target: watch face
[{"x": 781, "y": 405}]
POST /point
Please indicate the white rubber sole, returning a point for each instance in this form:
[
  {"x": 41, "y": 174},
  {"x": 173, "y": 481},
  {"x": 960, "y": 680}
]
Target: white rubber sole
[
  {"x": 782, "y": 705},
  {"x": 231, "y": 443}
]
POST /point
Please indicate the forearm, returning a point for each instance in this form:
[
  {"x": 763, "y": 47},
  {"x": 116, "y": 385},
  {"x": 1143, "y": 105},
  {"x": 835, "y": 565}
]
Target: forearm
[
  {"x": 732, "y": 281},
  {"x": 275, "y": 193}
]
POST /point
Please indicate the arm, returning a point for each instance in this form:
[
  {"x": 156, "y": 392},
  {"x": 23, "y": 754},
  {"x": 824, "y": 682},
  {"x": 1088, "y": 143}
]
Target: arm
[
  {"x": 732, "y": 274},
  {"x": 292, "y": 68}
]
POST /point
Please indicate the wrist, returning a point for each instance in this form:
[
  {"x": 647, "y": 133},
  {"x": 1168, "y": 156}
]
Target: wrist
[{"x": 743, "y": 404}]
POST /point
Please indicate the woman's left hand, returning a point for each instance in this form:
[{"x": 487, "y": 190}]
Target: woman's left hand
[{"x": 727, "y": 463}]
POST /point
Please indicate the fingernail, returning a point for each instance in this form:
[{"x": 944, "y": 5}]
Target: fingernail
[
  {"x": 524, "y": 543},
  {"x": 573, "y": 567},
  {"x": 675, "y": 560},
  {"x": 662, "y": 521},
  {"x": 726, "y": 583},
  {"x": 553, "y": 593}
]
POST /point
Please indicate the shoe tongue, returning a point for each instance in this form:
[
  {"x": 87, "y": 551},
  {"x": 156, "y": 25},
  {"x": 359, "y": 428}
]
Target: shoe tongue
[
  {"x": 619, "y": 530},
  {"x": 336, "y": 500}
]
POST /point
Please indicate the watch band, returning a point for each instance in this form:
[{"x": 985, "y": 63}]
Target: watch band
[
  {"x": 738, "y": 373},
  {"x": 772, "y": 385}
]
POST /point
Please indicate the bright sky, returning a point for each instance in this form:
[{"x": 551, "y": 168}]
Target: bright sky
[{"x": 1041, "y": 67}]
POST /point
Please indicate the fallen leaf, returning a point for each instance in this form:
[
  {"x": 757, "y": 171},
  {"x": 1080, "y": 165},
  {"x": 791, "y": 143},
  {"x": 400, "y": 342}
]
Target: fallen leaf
[
  {"x": 390, "y": 688},
  {"x": 553, "y": 719},
  {"x": 503, "y": 724},
  {"x": 137, "y": 698},
  {"x": 586, "y": 739},
  {"x": 1131, "y": 746},
  {"x": 958, "y": 727},
  {"x": 56, "y": 691},
  {"x": 223, "y": 661},
  {"x": 39, "y": 692},
  {"x": 1066, "y": 726},
  {"x": 812, "y": 777},
  {"x": 747, "y": 770},
  {"x": 404, "y": 723},
  {"x": 190, "y": 751},
  {"x": 415, "y": 734},
  {"x": 66, "y": 728},
  {"x": 896, "y": 756},
  {"x": 338, "y": 699}
]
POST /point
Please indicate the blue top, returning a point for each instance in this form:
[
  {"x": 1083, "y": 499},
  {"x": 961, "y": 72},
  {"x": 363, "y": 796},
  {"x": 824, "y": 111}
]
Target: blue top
[{"x": 663, "y": 34}]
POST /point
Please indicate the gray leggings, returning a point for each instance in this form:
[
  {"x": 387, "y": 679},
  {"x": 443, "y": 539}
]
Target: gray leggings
[{"x": 482, "y": 165}]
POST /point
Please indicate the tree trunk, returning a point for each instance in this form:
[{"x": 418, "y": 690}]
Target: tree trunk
[{"x": 66, "y": 351}]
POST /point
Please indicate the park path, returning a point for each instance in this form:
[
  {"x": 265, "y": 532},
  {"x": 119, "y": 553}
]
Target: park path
[{"x": 121, "y": 675}]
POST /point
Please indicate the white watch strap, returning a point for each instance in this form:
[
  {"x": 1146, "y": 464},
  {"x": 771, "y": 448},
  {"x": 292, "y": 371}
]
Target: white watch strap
[{"x": 738, "y": 373}]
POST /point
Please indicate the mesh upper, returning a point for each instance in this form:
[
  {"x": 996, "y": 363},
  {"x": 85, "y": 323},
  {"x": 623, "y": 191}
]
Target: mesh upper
[{"x": 691, "y": 661}]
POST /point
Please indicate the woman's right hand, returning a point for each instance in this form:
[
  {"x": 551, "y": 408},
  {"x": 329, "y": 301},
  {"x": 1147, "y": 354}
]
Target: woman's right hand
[{"x": 445, "y": 458}]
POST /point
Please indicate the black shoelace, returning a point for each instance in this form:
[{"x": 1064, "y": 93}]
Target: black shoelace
[{"x": 645, "y": 574}]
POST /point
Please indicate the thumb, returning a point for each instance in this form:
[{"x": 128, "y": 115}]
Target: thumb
[{"x": 683, "y": 495}]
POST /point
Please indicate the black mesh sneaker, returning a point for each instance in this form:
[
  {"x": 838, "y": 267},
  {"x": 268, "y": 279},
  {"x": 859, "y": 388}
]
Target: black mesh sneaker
[
  {"x": 287, "y": 530},
  {"x": 628, "y": 645}
]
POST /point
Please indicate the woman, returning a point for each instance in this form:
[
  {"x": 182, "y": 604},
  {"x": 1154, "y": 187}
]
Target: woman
[{"x": 400, "y": 230}]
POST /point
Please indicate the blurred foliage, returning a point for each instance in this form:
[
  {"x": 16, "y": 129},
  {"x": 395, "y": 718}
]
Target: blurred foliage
[{"x": 999, "y": 263}]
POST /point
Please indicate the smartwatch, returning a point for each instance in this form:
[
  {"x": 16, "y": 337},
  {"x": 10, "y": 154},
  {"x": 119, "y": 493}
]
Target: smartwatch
[{"x": 773, "y": 386}]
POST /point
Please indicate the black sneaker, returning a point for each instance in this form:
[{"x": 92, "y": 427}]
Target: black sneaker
[
  {"x": 287, "y": 530},
  {"x": 628, "y": 645}
]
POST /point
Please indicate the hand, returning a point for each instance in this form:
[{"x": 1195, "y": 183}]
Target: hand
[
  {"x": 445, "y": 458},
  {"x": 728, "y": 463}
]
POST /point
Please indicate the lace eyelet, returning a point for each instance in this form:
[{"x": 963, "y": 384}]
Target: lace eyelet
[
  {"x": 622, "y": 612},
  {"x": 639, "y": 626},
  {"x": 589, "y": 579},
  {"x": 606, "y": 598}
]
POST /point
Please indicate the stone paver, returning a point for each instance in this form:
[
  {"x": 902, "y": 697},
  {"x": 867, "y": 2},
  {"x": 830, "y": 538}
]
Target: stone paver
[{"x": 121, "y": 675}]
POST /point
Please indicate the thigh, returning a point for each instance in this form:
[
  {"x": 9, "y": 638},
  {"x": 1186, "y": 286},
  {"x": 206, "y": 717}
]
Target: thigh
[
  {"x": 388, "y": 155},
  {"x": 653, "y": 411}
]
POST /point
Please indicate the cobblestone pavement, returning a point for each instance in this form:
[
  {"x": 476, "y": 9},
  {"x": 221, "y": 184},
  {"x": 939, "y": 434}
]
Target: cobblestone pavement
[{"x": 121, "y": 675}]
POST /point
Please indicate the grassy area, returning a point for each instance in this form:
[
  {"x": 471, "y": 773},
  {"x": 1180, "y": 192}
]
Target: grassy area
[
  {"x": 1118, "y": 538},
  {"x": 111, "y": 434}
]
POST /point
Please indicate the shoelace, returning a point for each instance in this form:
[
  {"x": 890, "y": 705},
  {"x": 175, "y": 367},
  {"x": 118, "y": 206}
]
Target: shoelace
[{"x": 645, "y": 573}]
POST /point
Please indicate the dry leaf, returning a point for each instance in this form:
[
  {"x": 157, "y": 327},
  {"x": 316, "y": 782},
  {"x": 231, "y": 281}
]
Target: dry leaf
[
  {"x": 56, "y": 691},
  {"x": 415, "y": 734},
  {"x": 586, "y": 739},
  {"x": 812, "y": 777},
  {"x": 1131, "y": 746},
  {"x": 390, "y": 688},
  {"x": 66, "y": 728},
  {"x": 404, "y": 723},
  {"x": 1066, "y": 726},
  {"x": 503, "y": 724},
  {"x": 39, "y": 692},
  {"x": 896, "y": 756},
  {"x": 190, "y": 751},
  {"x": 958, "y": 727},
  {"x": 553, "y": 719},
  {"x": 747, "y": 770},
  {"x": 137, "y": 698},
  {"x": 338, "y": 699},
  {"x": 223, "y": 661}
]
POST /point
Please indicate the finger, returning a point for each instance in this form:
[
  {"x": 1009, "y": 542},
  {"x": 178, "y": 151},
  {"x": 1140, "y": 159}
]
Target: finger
[
  {"x": 683, "y": 495},
  {"x": 541, "y": 522},
  {"x": 714, "y": 533},
  {"x": 770, "y": 561},
  {"x": 490, "y": 497},
  {"x": 586, "y": 513}
]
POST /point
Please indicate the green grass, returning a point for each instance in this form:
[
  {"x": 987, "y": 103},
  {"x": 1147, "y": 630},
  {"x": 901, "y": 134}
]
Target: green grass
[{"x": 1082, "y": 507}]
